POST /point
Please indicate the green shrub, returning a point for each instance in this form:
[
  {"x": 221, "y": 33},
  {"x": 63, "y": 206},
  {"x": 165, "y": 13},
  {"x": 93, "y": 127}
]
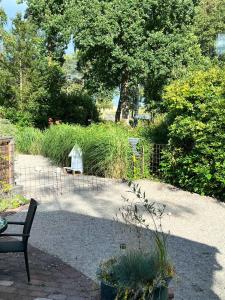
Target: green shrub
[
  {"x": 28, "y": 140},
  {"x": 75, "y": 107},
  {"x": 16, "y": 117},
  {"x": 12, "y": 202},
  {"x": 6, "y": 128},
  {"x": 157, "y": 131},
  {"x": 195, "y": 158}
]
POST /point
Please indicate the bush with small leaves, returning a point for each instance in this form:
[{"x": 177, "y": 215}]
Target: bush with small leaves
[{"x": 195, "y": 158}]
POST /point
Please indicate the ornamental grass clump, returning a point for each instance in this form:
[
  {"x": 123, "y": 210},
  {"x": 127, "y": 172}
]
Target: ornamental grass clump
[
  {"x": 28, "y": 140},
  {"x": 59, "y": 140},
  {"x": 106, "y": 152},
  {"x": 105, "y": 148},
  {"x": 136, "y": 268}
]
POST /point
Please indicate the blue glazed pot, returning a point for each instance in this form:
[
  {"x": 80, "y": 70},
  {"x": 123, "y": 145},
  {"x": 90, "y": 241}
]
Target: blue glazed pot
[
  {"x": 161, "y": 293},
  {"x": 109, "y": 292}
]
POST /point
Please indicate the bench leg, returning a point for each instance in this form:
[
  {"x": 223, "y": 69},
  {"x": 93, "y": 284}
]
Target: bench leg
[{"x": 27, "y": 265}]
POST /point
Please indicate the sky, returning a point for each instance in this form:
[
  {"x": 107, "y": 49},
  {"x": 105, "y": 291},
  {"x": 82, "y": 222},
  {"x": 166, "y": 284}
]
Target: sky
[{"x": 11, "y": 8}]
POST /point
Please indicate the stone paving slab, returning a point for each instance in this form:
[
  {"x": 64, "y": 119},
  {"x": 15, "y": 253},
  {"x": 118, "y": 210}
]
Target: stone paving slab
[{"x": 51, "y": 279}]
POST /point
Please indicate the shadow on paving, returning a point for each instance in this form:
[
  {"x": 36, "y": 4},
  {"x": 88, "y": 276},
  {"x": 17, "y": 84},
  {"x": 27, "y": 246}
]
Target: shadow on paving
[
  {"x": 83, "y": 241},
  {"x": 50, "y": 278}
]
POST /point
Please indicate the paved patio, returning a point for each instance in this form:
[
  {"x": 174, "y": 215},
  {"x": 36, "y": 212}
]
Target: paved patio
[{"x": 50, "y": 279}]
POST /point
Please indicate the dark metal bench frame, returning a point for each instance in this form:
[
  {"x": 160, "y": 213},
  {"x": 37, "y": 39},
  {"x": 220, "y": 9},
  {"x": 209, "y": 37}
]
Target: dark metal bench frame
[{"x": 20, "y": 246}]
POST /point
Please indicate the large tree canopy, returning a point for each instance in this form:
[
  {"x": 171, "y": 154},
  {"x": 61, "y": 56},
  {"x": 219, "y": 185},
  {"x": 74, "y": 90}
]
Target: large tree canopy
[
  {"x": 29, "y": 82},
  {"x": 209, "y": 22},
  {"x": 123, "y": 43},
  {"x": 3, "y": 17},
  {"x": 50, "y": 17}
]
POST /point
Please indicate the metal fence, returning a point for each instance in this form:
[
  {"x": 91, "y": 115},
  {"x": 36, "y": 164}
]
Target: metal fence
[
  {"x": 42, "y": 182},
  {"x": 47, "y": 182},
  {"x": 156, "y": 158}
]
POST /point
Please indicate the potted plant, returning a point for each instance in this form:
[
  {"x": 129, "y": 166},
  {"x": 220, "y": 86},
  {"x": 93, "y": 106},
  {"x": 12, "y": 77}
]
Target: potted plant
[
  {"x": 139, "y": 274},
  {"x": 135, "y": 275}
]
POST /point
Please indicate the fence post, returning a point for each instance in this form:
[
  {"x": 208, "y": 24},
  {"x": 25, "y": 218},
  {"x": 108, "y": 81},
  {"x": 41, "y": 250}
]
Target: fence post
[
  {"x": 7, "y": 160},
  {"x": 143, "y": 161},
  {"x": 11, "y": 162}
]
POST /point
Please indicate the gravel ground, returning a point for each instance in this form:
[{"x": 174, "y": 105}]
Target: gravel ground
[{"x": 79, "y": 227}]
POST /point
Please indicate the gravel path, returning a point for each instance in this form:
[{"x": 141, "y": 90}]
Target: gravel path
[{"x": 79, "y": 228}]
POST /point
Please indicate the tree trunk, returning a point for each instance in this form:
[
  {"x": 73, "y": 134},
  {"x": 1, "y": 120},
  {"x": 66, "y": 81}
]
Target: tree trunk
[
  {"x": 136, "y": 106},
  {"x": 125, "y": 110},
  {"x": 123, "y": 105},
  {"x": 21, "y": 82},
  {"x": 119, "y": 109}
]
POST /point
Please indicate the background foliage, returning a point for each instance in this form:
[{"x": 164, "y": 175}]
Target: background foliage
[
  {"x": 161, "y": 53},
  {"x": 195, "y": 159},
  {"x": 208, "y": 23}
]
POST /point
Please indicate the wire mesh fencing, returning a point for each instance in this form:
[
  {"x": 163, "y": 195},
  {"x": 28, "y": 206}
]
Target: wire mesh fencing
[
  {"x": 47, "y": 181},
  {"x": 156, "y": 159},
  {"x": 6, "y": 165},
  {"x": 53, "y": 181},
  {"x": 41, "y": 182}
]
